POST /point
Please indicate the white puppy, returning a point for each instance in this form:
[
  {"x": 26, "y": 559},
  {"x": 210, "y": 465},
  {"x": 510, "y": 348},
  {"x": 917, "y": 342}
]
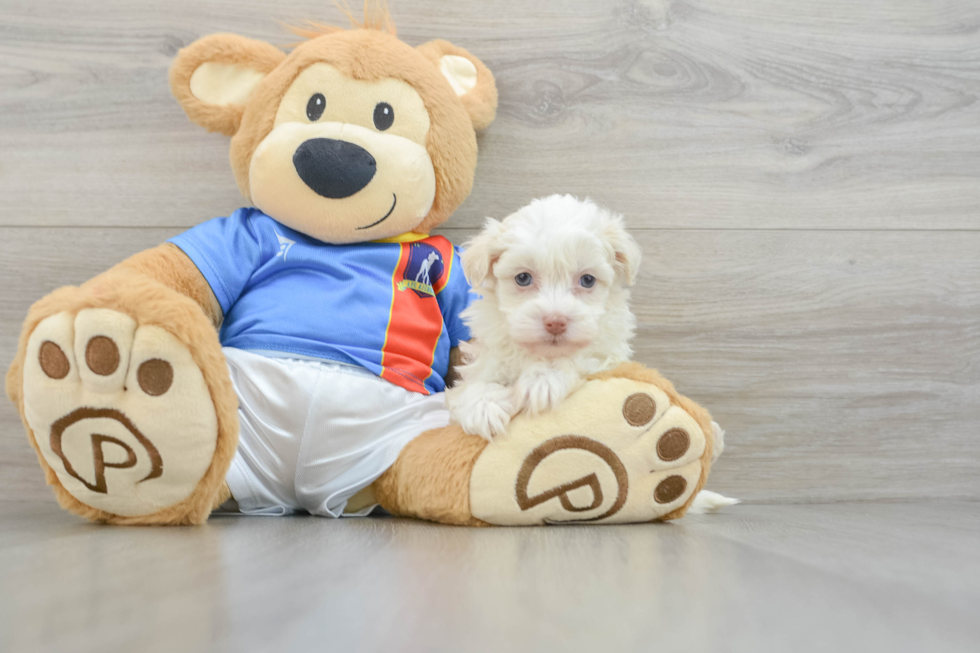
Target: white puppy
[{"x": 553, "y": 281}]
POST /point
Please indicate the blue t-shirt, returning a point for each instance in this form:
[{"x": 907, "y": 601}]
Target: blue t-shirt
[{"x": 391, "y": 307}]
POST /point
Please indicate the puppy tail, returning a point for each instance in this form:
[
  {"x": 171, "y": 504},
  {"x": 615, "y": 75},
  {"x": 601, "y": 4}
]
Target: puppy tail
[{"x": 708, "y": 501}]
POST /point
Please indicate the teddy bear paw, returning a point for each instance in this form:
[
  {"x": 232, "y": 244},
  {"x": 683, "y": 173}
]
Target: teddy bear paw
[
  {"x": 120, "y": 412},
  {"x": 617, "y": 450}
]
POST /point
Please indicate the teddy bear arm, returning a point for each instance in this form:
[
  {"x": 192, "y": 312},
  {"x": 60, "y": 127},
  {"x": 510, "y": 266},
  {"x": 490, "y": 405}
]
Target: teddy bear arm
[
  {"x": 455, "y": 360},
  {"x": 170, "y": 266}
]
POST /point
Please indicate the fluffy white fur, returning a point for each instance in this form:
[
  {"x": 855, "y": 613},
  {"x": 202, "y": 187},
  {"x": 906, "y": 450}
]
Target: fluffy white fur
[
  {"x": 534, "y": 341},
  {"x": 707, "y": 502}
]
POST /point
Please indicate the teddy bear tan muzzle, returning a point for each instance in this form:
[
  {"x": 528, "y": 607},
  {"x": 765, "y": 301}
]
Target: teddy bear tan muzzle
[{"x": 339, "y": 182}]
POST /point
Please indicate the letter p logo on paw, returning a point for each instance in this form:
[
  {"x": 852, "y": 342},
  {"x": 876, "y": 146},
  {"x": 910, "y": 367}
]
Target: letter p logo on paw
[
  {"x": 90, "y": 453},
  {"x": 572, "y": 446}
]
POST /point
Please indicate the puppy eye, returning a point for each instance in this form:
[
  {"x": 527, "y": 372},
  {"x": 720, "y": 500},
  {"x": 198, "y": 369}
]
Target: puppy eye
[
  {"x": 587, "y": 281},
  {"x": 384, "y": 115},
  {"x": 315, "y": 107},
  {"x": 524, "y": 279}
]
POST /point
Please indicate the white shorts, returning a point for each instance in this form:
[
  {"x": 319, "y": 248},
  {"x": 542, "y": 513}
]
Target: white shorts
[{"x": 314, "y": 433}]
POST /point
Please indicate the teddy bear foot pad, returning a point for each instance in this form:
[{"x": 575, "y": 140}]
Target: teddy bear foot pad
[
  {"x": 120, "y": 411},
  {"x": 617, "y": 451}
]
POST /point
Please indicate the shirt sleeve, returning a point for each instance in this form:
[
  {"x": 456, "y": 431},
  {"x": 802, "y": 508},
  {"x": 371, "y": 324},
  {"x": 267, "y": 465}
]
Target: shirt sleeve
[
  {"x": 227, "y": 251},
  {"x": 454, "y": 299}
]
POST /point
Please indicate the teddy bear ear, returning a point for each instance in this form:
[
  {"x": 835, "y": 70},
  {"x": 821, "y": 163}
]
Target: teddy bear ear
[
  {"x": 213, "y": 77},
  {"x": 469, "y": 77}
]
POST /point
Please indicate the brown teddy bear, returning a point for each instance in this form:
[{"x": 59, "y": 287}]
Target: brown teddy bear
[{"x": 292, "y": 356}]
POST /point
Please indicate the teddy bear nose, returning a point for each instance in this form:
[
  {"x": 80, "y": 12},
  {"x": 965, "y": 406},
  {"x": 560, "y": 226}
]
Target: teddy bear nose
[
  {"x": 556, "y": 324},
  {"x": 334, "y": 168}
]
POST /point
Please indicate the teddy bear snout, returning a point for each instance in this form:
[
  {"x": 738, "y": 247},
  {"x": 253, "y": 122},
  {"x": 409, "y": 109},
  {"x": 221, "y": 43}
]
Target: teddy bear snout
[{"x": 334, "y": 168}]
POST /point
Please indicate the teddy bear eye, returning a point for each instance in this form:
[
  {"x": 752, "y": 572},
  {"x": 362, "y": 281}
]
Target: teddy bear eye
[
  {"x": 587, "y": 281},
  {"x": 524, "y": 279},
  {"x": 315, "y": 107},
  {"x": 384, "y": 115}
]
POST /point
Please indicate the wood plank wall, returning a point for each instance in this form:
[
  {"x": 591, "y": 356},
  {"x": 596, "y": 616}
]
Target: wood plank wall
[{"x": 804, "y": 179}]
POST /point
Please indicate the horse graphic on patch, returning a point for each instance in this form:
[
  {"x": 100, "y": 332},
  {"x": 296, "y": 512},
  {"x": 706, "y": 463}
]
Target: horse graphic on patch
[
  {"x": 424, "y": 270},
  {"x": 423, "y": 275}
]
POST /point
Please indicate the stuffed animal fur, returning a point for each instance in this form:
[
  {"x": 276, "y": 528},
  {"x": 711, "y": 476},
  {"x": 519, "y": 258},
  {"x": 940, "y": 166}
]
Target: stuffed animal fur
[{"x": 351, "y": 142}]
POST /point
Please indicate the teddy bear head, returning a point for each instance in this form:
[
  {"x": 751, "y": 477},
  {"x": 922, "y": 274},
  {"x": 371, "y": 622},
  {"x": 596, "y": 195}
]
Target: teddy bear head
[{"x": 353, "y": 136}]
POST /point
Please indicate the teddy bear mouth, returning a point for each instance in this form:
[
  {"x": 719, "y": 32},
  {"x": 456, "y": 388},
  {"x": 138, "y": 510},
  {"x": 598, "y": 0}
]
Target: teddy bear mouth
[{"x": 394, "y": 201}]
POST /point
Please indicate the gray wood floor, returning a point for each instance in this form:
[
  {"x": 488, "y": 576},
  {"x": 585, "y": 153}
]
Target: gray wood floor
[
  {"x": 805, "y": 181},
  {"x": 888, "y": 577}
]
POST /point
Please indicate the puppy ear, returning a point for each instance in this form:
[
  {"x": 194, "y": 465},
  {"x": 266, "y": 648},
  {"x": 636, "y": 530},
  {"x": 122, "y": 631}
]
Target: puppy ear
[
  {"x": 213, "y": 77},
  {"x": 472, "y": 81},
  {"x": 626, "y": 253},
  {"x": 481, "y": 252}
]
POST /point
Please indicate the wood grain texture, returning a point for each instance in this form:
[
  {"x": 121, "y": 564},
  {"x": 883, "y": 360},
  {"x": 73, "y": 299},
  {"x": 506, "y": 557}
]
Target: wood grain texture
[
  {"x": 804, "y": 179},
  {"x": 843, "y": 366},
  {"x": 881, "y": 577},
  {"x": 837, "y": 115}
]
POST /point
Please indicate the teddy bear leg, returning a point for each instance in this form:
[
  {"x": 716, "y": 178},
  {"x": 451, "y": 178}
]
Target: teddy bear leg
[
  {"x": 126, "y": 398},
  {"x": 625, "y": 447},
  {"x": 431, "y": 477}
]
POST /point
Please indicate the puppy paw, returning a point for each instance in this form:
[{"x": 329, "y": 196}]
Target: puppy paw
[
  {"x": 483, "y": 409},
  {"x": 487, "y": 419},
  {"x": 538, "y": 391}
]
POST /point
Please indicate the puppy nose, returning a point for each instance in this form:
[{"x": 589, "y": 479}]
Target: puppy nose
[
  {"x": 333, "y": 168},
  {"x": 556, "y": 324}
]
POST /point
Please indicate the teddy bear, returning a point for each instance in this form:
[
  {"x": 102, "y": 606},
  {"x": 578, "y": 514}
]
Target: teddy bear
[{"x": 292, "y": 356}]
